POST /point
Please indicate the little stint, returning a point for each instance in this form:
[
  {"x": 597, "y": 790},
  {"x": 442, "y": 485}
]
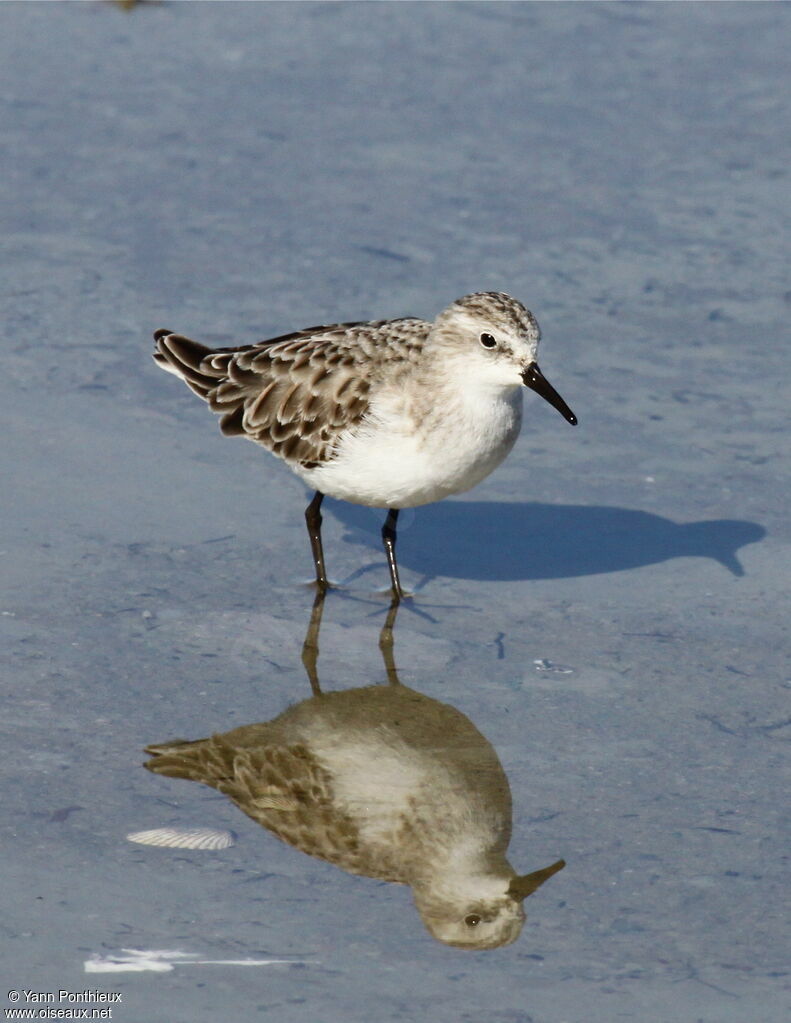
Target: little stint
[{"x": 388, "y": 413}]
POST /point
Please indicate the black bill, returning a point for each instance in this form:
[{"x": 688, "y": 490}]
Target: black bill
[{"x": 536, "y": 381}]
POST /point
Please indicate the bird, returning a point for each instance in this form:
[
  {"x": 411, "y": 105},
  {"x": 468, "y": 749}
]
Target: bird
[
  {"x": 384, "y": 782},
  {"x": 387, "y": 413}
]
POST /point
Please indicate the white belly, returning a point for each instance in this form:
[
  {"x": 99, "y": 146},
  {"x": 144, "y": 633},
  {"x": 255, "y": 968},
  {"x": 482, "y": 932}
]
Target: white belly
[{"x": 391, "y": 461}]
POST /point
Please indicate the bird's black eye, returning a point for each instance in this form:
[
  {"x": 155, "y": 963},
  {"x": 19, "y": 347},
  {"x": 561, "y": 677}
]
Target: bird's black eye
[
  {"x": 472, "y": 920},
  {"x": 488, "y": 341}
]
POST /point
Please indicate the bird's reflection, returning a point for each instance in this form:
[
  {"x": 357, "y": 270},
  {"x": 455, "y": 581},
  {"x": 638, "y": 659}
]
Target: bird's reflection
[{"x": 384, "y": 782}]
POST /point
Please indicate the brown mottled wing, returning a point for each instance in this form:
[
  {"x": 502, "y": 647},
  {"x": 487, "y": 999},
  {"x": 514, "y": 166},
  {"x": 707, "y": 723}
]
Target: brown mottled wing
[
  {"x": 283, "y": 788},
  {"x": 295, "y": 394}
]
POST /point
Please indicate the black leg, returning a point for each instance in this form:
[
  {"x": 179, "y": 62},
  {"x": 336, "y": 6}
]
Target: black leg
[
  {"x": 313, "y": 519},
  {"x": 389, "y": 540}
]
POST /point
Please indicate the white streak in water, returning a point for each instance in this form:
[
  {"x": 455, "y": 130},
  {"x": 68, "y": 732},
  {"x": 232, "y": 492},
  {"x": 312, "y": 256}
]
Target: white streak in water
[{"x": 135, "y": 960}]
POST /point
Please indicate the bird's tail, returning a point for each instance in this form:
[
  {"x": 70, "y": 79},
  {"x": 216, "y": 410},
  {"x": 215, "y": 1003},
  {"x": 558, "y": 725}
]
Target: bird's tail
[
  {"x": 196, "y": 760},
  {"x": 238, "y": 773},
  {"x": 185, "y": 358}
]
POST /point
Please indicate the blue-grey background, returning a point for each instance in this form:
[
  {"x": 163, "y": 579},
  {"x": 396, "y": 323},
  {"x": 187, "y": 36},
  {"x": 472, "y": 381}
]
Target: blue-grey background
[{"x": 233, "y": 171}]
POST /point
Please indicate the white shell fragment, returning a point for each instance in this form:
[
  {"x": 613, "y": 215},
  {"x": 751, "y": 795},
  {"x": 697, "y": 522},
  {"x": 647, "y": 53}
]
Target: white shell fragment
[
  {"x": 184, "y": 838},
  {"x": 542, "y": 664}
]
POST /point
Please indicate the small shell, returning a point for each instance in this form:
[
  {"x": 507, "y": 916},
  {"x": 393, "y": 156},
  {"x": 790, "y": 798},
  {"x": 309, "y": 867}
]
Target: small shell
[{"x": 184, "y": 838}]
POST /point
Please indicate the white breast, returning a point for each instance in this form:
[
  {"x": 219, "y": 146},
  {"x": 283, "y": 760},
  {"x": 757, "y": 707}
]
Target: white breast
[{"x": 400, "y": 458}]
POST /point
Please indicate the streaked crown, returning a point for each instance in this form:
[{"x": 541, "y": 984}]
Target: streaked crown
[{"x": 498, "y": 310}]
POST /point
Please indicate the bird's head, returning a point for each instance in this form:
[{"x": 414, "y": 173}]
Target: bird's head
[
  {"x": 482, "y": 913},
  {"x": 496, "y": 338}
]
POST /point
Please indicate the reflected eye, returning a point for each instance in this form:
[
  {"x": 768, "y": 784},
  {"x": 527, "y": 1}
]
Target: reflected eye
[
  {"x": 488, "y": 341},
  {"x": 472, "y": 920}
]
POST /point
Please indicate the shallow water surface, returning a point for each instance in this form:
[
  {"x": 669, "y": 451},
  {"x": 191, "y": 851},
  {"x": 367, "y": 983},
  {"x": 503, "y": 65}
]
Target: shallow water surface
[{"x": 608, "y": 609}]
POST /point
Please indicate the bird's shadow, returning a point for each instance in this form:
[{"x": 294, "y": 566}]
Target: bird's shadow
[{"x": 496, "y": 540}]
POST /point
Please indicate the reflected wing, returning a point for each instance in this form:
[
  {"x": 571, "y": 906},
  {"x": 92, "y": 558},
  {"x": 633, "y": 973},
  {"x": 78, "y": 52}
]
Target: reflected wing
[
  {"x": 283, "y": 788},
  {"x": 294, "y": 394}
]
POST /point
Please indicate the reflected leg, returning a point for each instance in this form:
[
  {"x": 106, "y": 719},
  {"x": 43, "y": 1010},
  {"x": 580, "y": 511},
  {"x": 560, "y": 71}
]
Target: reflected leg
[
  {"x": 386, "y": 644},
  {"x": 310, "y": 648}
]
